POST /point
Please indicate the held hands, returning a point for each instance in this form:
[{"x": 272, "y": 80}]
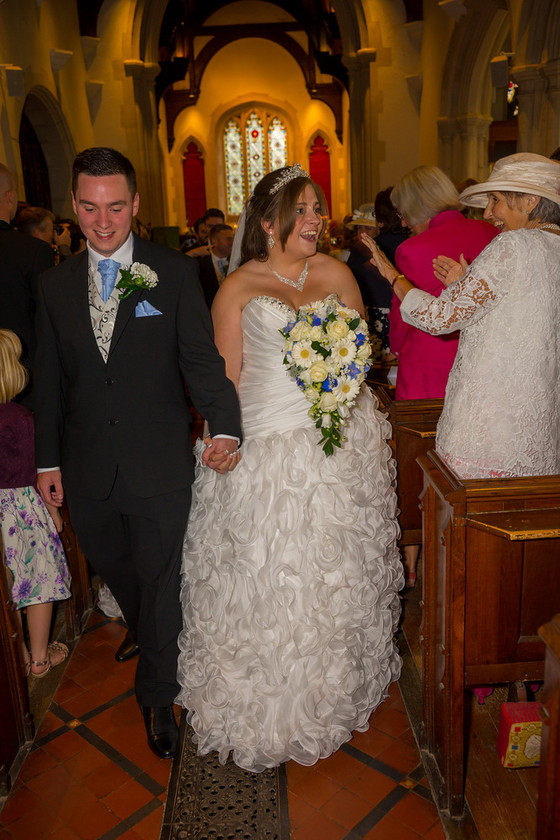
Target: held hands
[
  {"x": 49, "y": 485},
  {"x": 448, "y": 271},
  {"x": 221, "y": 454},
  {"x": 378, "y": 258}
]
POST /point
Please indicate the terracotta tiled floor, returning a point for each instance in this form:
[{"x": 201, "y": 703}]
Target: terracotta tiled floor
[{"x": 90, "y": 775}]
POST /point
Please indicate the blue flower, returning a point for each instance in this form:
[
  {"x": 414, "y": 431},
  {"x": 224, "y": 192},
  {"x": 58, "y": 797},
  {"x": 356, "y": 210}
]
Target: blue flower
[
  {"x": 23, "y": 591},
  {"x": 316, "y": 322},
  {"x": 360, "y": 338},
  {"x": 353, "y": 370}
]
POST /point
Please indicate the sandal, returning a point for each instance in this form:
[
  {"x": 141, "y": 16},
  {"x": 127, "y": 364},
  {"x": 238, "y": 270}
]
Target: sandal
[{"x": 53, "y": 647}]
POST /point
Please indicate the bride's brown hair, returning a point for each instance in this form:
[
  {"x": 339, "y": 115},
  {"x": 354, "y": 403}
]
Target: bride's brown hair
[{"x": 266, "y": 207}]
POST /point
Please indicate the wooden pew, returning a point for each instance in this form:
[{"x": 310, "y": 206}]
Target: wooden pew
[
  {"x": 17, "y": 723},
  {"x": 78, "y": 606},
  {"x": 491, "y": 559},
  {"x": 548, "y": 805},
  {"x": 414, "y": 429}
]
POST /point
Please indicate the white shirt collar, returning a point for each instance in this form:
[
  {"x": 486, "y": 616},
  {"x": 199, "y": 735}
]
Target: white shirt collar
[{"x": 122, "y": 255}]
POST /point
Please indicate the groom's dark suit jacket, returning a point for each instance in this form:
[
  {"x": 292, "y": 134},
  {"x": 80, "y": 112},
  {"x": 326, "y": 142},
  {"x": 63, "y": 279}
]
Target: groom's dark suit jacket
[{"x": 130, "y": 413}]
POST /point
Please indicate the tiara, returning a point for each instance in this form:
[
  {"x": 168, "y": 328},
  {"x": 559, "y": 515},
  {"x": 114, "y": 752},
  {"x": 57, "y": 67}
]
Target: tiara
[{"x": 292, "y": 172}]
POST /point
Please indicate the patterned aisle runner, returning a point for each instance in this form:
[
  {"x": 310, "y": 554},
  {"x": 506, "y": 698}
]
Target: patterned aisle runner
[{"x": 210, "y": 801}]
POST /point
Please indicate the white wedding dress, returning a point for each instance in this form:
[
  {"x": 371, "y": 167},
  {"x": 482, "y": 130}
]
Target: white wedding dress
[{"x": 290, "y": 573}]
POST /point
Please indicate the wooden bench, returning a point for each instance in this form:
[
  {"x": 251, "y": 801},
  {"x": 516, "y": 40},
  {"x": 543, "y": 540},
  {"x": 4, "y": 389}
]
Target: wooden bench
[
  {"x": 548, "y": 806},
  {"x": 491, "y": 559},
  {"x": 414, "y": 430}
]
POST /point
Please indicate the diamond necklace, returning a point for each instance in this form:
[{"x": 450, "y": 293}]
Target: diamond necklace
[{"x": 297, "y": 284}]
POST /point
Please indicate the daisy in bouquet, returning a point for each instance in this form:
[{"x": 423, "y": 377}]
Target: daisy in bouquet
[{"x": 327, "y": 351}]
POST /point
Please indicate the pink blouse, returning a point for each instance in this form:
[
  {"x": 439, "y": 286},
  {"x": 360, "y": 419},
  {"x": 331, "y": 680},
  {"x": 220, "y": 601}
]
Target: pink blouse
[{"x": 425, "y": 360}]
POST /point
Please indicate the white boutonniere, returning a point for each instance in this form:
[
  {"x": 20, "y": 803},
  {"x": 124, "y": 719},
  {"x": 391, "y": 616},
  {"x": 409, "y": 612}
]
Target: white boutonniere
[{"x": 138, "y": 276}]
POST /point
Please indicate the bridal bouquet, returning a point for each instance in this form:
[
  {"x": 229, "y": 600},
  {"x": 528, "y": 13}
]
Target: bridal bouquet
[{"x": 328, "y": 353}]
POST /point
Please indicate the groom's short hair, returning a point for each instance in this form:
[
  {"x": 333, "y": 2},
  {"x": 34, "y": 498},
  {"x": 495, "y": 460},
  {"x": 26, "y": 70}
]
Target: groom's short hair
[{"x": 102, "y": 160}]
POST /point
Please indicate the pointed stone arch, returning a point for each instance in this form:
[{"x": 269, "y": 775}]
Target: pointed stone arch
[
  {"x": 466, "y": 100},
  {"x": 44, "y": 113}
]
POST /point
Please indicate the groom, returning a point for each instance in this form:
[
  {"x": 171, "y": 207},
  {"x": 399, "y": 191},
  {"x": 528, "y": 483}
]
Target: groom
[{"x": 112, "y": 421}]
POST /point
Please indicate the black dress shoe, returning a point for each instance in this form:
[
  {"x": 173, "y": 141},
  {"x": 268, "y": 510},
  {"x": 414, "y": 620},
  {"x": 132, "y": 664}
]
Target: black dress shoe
[
  {"x": 128, "y": 649},
  {"x": 161, "y": 729}
]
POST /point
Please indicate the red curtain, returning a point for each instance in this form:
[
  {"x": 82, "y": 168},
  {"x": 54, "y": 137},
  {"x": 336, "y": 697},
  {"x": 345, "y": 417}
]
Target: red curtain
[
  {"x": 320, "y": 167},
  {"x": 193, "y": 179}
]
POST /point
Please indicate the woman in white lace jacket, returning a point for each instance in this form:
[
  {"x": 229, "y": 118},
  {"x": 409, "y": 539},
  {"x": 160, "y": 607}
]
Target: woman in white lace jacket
[{"x": 501, "y": 416}]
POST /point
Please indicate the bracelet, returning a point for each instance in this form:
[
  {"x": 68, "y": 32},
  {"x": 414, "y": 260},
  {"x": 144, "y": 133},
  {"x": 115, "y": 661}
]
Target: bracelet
[{"x": 398, "y": 277}]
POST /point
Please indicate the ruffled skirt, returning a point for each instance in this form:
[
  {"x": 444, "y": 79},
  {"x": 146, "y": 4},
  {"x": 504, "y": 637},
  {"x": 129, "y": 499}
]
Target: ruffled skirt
[{"x": 290, "y": 595}]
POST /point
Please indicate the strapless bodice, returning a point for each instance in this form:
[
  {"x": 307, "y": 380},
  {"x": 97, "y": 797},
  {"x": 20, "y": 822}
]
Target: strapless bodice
[{"x": 270, "y": 399}]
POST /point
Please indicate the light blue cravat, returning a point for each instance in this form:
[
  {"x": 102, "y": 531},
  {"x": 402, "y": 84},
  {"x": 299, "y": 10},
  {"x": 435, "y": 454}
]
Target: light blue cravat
[{"x": 108, "y": 270}]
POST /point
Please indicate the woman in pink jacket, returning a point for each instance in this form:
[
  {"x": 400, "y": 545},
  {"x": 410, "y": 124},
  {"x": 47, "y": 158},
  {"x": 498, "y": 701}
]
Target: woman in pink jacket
[{"x": 428, "y": 204}]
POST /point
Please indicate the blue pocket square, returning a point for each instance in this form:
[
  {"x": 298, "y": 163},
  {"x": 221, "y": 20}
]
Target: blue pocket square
[{"x": 144, "y": 308}]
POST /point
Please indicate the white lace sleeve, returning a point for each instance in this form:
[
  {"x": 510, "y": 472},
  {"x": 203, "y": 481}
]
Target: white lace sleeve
[
  {"x": 459, "y": 305},
  {"x": 468, "y": 299}
]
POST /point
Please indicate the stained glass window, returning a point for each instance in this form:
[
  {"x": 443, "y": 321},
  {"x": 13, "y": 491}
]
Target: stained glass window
[
  {"x": 254, "y": 150},
  {"x": 233, "y": 148},
  {"x": 277, "y": 145},
  {"x": 254, "y": 143}
]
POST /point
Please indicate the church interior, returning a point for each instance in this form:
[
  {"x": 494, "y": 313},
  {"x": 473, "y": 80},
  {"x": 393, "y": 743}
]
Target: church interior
[{"x": 205, "y": 97}]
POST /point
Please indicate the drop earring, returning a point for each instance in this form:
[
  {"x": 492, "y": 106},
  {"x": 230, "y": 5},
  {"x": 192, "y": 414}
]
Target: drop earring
[{"x": 270, "y": 241}]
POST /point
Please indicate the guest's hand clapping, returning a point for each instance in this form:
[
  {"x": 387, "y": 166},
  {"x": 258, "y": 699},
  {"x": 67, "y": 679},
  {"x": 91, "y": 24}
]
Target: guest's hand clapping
[
  {"x": 378, "y": 258},
  {"x": 448, "y": 271}
]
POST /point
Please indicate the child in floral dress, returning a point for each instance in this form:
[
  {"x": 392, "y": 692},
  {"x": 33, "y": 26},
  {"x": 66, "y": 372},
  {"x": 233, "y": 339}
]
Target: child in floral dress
[{"x": 31, "y": 549}]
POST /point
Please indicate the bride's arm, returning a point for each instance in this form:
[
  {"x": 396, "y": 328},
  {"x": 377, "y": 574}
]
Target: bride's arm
[{"x": 228, "y": 336}]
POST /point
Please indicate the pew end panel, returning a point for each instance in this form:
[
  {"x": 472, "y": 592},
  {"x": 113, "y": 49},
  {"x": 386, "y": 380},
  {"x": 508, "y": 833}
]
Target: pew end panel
[
  {"x": 548, "y": 805},
  {"x": 490, "y": 553},
  {"x": 413, "y": 424}
]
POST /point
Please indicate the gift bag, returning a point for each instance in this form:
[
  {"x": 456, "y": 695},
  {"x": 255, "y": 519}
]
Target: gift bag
[{"x": 519, "y": 736}]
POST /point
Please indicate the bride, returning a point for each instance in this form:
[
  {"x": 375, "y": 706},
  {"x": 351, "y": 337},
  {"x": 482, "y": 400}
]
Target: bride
[{"x": 291, "y": 571}]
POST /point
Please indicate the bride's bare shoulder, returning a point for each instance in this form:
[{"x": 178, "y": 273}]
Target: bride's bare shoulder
[{"x": 242, "y": 284}]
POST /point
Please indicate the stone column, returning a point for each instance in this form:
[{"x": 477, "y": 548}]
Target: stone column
[
  {"x": 463, "y": 144},
  {"x": 531, "y": 95},
  {"x": 363, "y": 137},
  {"x": 551, "y": 72},
  {"x": 141, "y": 125}
]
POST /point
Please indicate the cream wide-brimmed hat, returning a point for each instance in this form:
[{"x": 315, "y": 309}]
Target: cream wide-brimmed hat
[
  {"x": 363, "y": 218},
  {"x": 523, "y": 173}
]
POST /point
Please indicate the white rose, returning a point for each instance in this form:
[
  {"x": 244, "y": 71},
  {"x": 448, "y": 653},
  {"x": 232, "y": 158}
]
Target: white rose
[
  {"x": 311, "y": 395},
  {"x": 304, "y": 376},
  {"x": 315, "y": 333},
  {"x": 299, "y": 331},
  {"x": 337, "y": 330},
  {"x": 318, "y": 371},
  {"x": 328, "y": 401},
  {"x": 326, "y": 421},
  {"x": 364, "y": 351}
]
